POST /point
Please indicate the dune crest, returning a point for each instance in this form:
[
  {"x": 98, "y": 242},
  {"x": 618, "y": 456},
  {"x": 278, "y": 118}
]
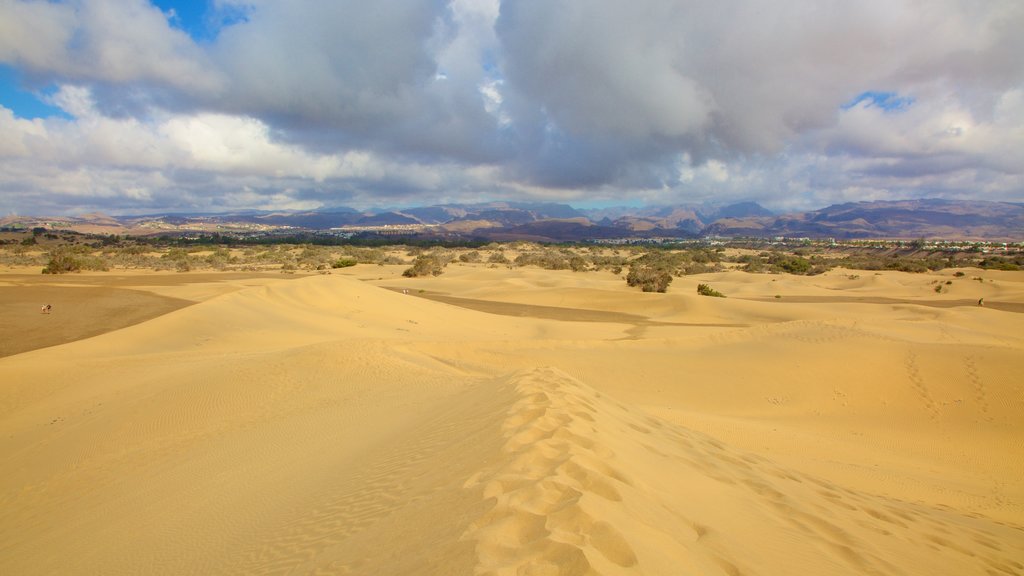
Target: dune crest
[{"x": 586, "y": 485}]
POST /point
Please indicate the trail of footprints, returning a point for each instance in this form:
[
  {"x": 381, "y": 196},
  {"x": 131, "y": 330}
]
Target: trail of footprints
[
  {"x": 978, "y": 386},
  {"x": 557, "y": 495},
  {"x": 558, "y": 485},
  {"x": 917, "y": 382},
  {"x": 549, "y": 489}
]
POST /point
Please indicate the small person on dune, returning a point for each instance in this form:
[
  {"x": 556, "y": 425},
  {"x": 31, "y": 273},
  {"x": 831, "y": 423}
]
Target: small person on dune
[{"x": 45, "y": 309}]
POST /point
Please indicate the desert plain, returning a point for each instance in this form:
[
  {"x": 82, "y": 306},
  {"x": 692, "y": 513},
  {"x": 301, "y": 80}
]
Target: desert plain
[{"x": 498, "y": 421}]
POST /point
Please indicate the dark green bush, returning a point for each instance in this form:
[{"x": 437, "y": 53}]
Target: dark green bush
[
  {"x": 705, "y": 290},
  {"x": 790, "y": 264},
  {"x": 998, "y": 263}
]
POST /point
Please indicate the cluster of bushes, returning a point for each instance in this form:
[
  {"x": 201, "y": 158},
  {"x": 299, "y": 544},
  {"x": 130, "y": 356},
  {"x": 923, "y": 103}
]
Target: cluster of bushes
[
  {"x": 426, "y": 265},
  {"x": 780, "y": 262},
  {"x": 653, "y": 271},
  {"x": 498, "y": 258},
  {"x": 682, "y": 262},
  {"x": 894, "y": 262},
  {"x": 66, "y": 259},
  {"x": 344, "y": 262},
  {"x": 1002, "y": 263},
  {"x": 649, "y": 278},
  {"x": 553, "y": 259},
  {"x": 16, "y": 254},
  {"x": 471, "y": 257}
]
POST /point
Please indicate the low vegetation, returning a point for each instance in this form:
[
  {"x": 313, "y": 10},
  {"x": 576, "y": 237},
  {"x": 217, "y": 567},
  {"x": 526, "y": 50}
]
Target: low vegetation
[
  {"x": 648, "y": 278},
  {"x": 651, "y": 268},
  {"x": 65, "y": 259},
  {"x": 705, "y": 290},
  {"x": 426, "y": 265}
]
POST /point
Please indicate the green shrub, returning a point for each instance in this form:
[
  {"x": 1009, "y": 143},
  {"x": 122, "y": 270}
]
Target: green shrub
[
  {"x": 790, "y": 264},
  {"x": 705, "y": 290},
  {"x": 343, "y": 262},
  {"x": 425, "y": 265},
  {"x": 998, "y": 263},
  {"x": 648, "y": 278}
]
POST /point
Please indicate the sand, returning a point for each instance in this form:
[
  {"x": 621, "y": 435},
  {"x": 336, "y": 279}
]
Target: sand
[{"x": 501, "y": 422}]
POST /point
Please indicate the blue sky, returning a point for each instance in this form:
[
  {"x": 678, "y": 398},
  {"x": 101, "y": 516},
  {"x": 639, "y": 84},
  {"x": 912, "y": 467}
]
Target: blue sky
[
  {"x": 888, "y": 101},
  {"x": 25, "y": 101},
  {"x": 192, "y": 17},
  {"x": 131, "y": 106}
]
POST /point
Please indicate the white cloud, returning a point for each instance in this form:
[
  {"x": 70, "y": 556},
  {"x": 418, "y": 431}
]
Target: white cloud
[
  {"x": 113, "y": 41},
  {"x": 307, "y": 102}
]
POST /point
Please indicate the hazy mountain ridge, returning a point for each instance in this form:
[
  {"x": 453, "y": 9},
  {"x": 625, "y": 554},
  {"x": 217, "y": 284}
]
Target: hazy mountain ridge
[
  {"x": 562, "y": 222},
  {"x": 887, "y": 219}
]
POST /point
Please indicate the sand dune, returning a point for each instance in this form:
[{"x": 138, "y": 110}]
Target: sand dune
[{"x": 329, "y": 425}]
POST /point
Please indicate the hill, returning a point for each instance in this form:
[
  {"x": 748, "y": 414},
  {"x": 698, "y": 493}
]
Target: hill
[
  {"x": 907, "y": 219},
  {"x": 929, "y": 218}
]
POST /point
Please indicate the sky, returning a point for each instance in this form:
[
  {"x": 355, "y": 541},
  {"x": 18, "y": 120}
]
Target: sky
[{"x": 136, "y": 107}]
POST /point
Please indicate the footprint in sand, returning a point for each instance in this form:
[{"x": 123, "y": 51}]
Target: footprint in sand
[
  {"x": 917, "y": 382},
  {"x": 980, "y": 392}
]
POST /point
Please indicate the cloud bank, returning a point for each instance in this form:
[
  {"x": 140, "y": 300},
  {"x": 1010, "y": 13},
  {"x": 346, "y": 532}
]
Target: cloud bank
[{"x": 306, "y": 104}]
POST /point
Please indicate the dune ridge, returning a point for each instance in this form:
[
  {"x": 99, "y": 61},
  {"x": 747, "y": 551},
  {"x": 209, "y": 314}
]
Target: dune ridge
[{"x": 587, "y": 485}]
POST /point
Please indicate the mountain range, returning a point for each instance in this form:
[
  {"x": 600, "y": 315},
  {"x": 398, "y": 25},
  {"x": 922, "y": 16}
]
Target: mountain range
[{"x": 929, "y": 218}]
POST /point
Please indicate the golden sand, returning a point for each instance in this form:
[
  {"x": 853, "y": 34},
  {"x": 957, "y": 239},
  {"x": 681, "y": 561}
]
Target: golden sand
[{"x": 500, "y": 422}]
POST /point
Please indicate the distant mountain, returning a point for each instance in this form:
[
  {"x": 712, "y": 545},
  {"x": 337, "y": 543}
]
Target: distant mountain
[
  {"x": 671, "y": 219},
  {"x": 574, "y": 230},
  {"x": 385, "y": 219},
  {"x": 739, "y": 210},
  {"x": 502, "y": 216},
  {"x": 316, "y": 220},
  {"x": 561, "y": 222},
  {"x": 434, "y": 214},
  {"x": 886, "y": 219}
]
